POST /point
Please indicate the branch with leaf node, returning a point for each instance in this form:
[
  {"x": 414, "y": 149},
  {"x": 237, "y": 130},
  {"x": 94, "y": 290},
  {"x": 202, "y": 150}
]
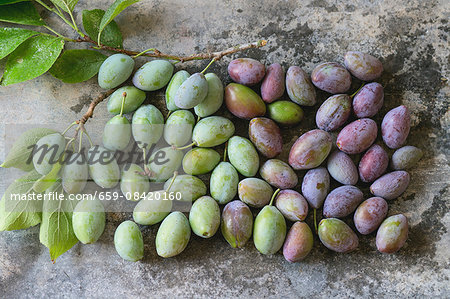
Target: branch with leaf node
[{"x": 158, "y": 54}]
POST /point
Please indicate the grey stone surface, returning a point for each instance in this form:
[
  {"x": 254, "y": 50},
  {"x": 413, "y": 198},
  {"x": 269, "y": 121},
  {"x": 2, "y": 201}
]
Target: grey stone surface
[{"x": 412, "y": 39}]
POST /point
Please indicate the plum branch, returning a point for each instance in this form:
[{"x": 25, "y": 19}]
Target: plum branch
[
  {"x": 90, "y": 112},
  {"x": 158, "y": 54}
]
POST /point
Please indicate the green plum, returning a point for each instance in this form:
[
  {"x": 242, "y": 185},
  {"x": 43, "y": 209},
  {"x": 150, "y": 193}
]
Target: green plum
[
  {"x": 164, "y": 162},
  {"x": 200, "y": 160},
  {"x": 153, "y": 208},
  {"x": 117, "y": 133},
  {"x": 129, "y": 242},
  {"x": 224, "y": 182},
  {"x": 173, "y": 235},
  {"x": 254, "y": 192},
  {"x": 134, "y": 185},
  {"x": 214, "y": 98},
  {"x": 88, "y": 220},
  {"x": 269, "y": 230},
  {"x": 243, "y": 156},
  {"x": 204, "y": 217},
  {"x": 147, "y": 126},
  {"x": 279, "y": 174},
  {"x": 177, "y": 79},
  {"x": 406, "y": 157},
  {"x": 285, "y": 113},
  {"x": 212, "y": 131},
  {"x": 134, "y": 99},
  {"x": 178, "y": 128},
  {"x": 52, "y": 146},
  {"x": 192, "y": 91},
  {"x": 153, "y": 75},
  {"x": 189, "y": 186},
  {"x": 103, "y": 167},
  {"x": 292, "y": 205},
  {"x": 115, "y": 70},
  {"x": 392, "y": 234},
  {"x": 75, "y": 174}
]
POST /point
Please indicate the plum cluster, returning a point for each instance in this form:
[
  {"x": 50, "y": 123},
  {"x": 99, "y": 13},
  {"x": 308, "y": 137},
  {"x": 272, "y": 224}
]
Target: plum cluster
[
  {"x": 315, "y": 148},
  {"x": 313, "y": 152}
]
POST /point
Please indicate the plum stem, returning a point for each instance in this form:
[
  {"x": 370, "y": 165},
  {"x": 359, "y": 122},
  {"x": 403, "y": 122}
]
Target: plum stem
[
  {"x": 168, "y": 114},
  {"x": 315, "y": 220},
  {"x": 225, "y": 152},
  {"x": 68, "y": 128},
  {"x": 88, "y": 137},
  {"x": 68, "y": 143},
  {"x": 186, "y": 146},
  {"x": 124, "y": 95},
  {"x": 362, "y": 85},
  {"x": 273, "y": 196},
  {"x": 143, "y": 52},
  {"x": 209, "y": 64},
  {"x": 80, "y": 144},
  {"x": 144, "y": 157},
  {"x": 175, "y": 173}
]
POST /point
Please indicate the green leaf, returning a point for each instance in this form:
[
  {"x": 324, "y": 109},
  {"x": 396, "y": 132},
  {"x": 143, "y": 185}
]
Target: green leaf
[
  {"x": 116, "y": 8},
  {"x": 6, "y": 2},
  {"x": 111, "y": 35},
  {"x": 21, "y": 13},
  {"x": 32, "y": 58},
  {"x": 20, "y": 214},
  {"x": 21, "y": 150},
  {"x": 75, "y": 66},
  {"x": 56, "y": 231},
  {"x": 11, "y": 38},
  {"x": 66, "y": 5}
]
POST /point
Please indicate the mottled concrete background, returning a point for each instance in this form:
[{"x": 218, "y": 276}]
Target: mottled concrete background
[{"x": 412, "y": 39}]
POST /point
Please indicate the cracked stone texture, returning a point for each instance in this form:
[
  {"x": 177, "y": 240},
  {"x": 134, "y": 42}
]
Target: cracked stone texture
[{"x": 410, "y": 37}]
